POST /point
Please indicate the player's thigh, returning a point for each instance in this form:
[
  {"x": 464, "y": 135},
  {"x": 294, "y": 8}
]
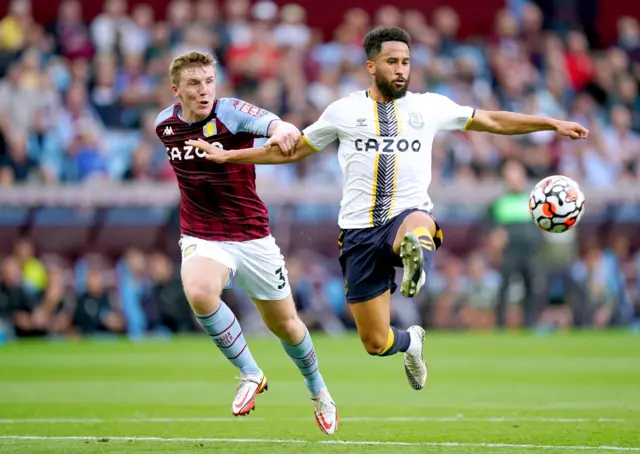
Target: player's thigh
[
  {"x": 373, "y": 319},
  {"x": 369, "y": 279},
  {"x": 414, "y": 220},
  {"x": 261, "y": 270},
  {"x": 205, "y": 271},
  {"x": 366, "y": 270}
]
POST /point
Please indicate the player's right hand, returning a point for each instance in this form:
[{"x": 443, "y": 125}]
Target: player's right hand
[
  {"x": 572, "y": 130},
  {"x": 212, "y": 153}
]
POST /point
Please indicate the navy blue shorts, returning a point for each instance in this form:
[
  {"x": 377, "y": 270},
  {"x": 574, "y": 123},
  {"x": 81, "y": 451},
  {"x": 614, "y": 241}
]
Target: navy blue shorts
[{"x": 368, "y": 261}]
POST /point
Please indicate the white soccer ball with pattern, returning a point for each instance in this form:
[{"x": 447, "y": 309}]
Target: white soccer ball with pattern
[{"x": 556, "y": 204}]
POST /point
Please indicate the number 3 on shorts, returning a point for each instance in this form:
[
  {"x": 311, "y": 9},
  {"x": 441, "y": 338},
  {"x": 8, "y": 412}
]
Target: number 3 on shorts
[{"x": 281, "y": 278}]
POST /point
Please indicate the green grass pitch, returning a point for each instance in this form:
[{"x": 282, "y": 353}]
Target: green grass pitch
[{"x": 502, "y": 393}]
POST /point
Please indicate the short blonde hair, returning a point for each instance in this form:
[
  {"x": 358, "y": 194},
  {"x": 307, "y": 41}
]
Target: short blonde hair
[{"x": 189, "y": 60}]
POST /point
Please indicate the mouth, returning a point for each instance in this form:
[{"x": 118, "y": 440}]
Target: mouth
[
  {"x": 399, "y": 82},
  {"x": 203, "y": 103}
]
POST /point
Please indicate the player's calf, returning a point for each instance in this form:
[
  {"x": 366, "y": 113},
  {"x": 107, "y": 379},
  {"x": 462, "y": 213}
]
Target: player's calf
[
  {"x": 203, "y": 280},
  {"x": 289, "y": 329},
  {"x": 281, "y": 318},
  {"x": 303, "y": 355},
  {"x": 392, "y": 342},
  {"x": 224, "y": 329}
]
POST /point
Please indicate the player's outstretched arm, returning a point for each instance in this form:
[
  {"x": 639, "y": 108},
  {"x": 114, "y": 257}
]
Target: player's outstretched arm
[
  {"x": 261, "y": 155},
  {"x": 511, "y": 123}
]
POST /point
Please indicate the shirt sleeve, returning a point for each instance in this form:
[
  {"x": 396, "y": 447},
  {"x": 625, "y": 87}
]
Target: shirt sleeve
[
  {"x": 239, "y": 116},
  {"x": 162, "y": 116},
  {"x": 451, "y": 116},
  {"x": 324, "y": 131}
]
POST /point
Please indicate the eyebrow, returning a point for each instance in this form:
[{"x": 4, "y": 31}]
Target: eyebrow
[
  {"x": 395, "y": 56},
  {"x": 197, "y": 79}
]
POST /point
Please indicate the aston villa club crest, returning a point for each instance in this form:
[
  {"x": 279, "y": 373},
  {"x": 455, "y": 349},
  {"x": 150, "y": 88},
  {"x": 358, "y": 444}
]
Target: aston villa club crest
[
  {"x": 189, "y": 250},
  {"x": 210, "y": 129},
  {"x": 415, "y": 120}
]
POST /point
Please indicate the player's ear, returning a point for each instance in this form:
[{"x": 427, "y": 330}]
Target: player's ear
[
  {"x": 175, "y": 91},
  {"x": 371, "y": 67}
]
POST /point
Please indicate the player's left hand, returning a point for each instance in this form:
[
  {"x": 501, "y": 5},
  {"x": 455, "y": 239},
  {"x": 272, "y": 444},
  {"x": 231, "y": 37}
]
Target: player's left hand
[
  {"x": 572, "y": 130},
  {"x": 212, "y": 153},
  {"x": 286, "y": 136}
]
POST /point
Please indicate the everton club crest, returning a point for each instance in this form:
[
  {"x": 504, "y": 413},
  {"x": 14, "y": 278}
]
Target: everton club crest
[{"x": 415, "y": 120}]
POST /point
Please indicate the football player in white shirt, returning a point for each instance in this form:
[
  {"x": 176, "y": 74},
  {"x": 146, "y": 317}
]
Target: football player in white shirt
[{"x": 385, "y": 136}]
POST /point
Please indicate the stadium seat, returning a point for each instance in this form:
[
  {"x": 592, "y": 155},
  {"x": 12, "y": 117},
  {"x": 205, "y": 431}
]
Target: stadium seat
[
  {"x": 12, "y": 220},
  {"x": 315, "y": 225},
  {"x": 127, "y": 227},
  {"x": 61, "y": 230}
]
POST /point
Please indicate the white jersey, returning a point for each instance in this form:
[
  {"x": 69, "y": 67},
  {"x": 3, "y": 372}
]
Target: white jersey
[{"x": 385, "y": 151}]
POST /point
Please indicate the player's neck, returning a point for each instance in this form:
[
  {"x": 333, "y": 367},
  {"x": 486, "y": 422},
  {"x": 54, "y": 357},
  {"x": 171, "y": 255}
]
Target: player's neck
[
  {"x": 376, "y": 95},
  {"x": 190, "y": 116}
]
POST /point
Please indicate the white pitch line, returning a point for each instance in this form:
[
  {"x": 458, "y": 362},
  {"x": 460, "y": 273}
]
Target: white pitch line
[
  {"x": 326, "y": 442},
  {"x": 390, "y": 419},
  {"x": 122, "y": 420},
  {"x": 492, "y": 419}
]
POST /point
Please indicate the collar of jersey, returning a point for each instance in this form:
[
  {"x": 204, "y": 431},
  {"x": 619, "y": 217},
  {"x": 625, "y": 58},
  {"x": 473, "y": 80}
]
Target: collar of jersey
[{"x": 179, "y": 115}]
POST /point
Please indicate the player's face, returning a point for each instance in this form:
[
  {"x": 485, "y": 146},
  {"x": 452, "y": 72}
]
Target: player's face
[
  {"x": 391, "y": 69},
  {"x": 196, "y": 91}
]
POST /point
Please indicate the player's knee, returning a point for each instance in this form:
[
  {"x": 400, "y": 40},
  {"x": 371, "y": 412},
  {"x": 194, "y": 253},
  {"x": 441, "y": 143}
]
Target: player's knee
[
  {"x": 289, "y": 329},
  {"x": 375, "y": 344},
  {"x": 203, "y": 297}
]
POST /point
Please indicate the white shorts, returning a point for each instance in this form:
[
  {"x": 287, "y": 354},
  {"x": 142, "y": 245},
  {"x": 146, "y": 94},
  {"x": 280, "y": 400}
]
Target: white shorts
[{"x": 257, "y": 265}]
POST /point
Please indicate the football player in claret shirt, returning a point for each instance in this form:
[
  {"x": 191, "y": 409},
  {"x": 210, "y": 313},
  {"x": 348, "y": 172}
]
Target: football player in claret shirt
[
  {"x": 225, "y": 229},
  {"x": 385, "y": 136}
]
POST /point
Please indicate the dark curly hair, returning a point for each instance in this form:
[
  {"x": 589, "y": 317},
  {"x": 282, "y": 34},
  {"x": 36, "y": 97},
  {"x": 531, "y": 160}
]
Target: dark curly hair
[{"x": 376, "y": 37}]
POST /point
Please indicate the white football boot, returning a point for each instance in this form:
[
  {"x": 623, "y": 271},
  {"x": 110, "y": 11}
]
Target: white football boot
[
  {"x": 248, "y": 388},
  {"x": 414, "y": 365},
  {"x": 326, "y": 412}
]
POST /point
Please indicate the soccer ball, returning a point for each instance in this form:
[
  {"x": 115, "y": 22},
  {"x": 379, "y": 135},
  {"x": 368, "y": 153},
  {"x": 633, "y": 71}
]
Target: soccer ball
[{"x": 556, "y": 204}]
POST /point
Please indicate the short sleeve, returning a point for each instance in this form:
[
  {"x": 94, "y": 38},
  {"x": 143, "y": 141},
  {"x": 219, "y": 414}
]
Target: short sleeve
[
  {"x": 324, "y": 131},
  {"x": 451, "y": 116},
  {"x": 239, "y": 116},
  {"x": 164, "y": 115}
]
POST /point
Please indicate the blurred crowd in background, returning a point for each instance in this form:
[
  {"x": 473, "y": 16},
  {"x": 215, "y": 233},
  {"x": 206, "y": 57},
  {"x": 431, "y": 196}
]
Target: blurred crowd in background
[{"x": 78, "y": 100}]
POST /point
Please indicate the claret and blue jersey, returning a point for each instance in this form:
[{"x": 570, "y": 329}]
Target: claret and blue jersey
[{"x": 218, "y": 201}]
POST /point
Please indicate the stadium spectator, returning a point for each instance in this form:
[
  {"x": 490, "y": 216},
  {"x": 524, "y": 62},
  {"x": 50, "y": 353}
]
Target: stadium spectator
[
  {"x": 445, "y": 287},
  {"x": 479, "y": 294},
  {"x": 597, "y": 286},
  {"x": 14, "y": 27},
  {"x": 166, "y": 306},
  {"x": 94, "y": 311},
  {"x": 71, "y": 32},
  {"x": 16, "y": 301},
  {"x": 111, "y": 28},
  {"x": 510, "y": 214}
]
